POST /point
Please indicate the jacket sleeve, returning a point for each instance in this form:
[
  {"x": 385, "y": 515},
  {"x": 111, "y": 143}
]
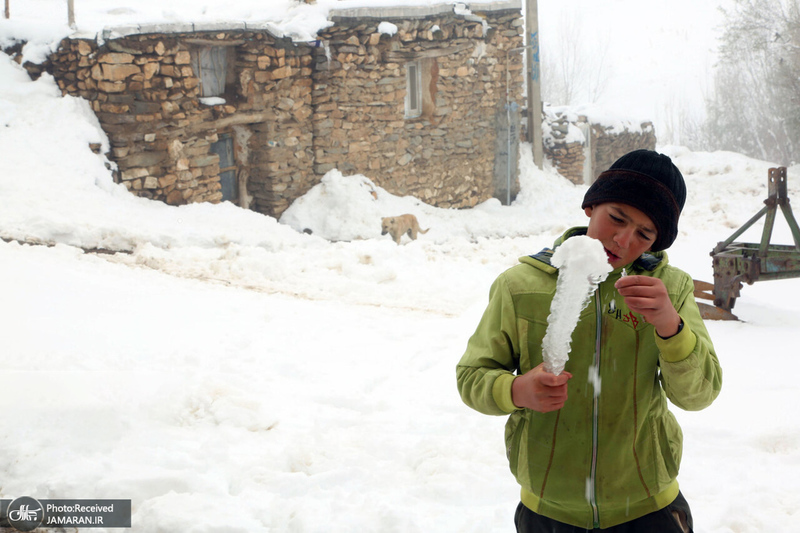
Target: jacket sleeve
[
  {"x": 690, "y": 371},
  {"x": 486, "y": 369}
]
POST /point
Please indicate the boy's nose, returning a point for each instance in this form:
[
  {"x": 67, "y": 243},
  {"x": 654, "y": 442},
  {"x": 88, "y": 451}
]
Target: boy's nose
[{"x": 623, "y": 238}]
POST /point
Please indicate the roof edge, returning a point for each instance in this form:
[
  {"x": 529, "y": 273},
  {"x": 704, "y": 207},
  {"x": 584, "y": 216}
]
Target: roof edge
[
  {"x": 412, "y": 11},
  {"x": 384, "y": 13}
]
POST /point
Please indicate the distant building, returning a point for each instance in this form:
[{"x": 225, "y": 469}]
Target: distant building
[
  {"x": 422, "y": 100},
  {"x": 581, "y": 145}
]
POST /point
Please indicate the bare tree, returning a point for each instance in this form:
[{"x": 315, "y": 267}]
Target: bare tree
[
  {"x": 574, "y": 66},
  {"x": 755, "y": 106}
]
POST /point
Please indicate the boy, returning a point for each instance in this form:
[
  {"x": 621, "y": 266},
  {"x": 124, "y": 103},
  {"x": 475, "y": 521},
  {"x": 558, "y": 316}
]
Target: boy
[{"x": 586, "y": 458}]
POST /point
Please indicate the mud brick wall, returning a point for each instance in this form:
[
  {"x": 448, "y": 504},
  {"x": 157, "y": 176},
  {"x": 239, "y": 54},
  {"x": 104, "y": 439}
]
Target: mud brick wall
[{"x": 444, "y": 157}]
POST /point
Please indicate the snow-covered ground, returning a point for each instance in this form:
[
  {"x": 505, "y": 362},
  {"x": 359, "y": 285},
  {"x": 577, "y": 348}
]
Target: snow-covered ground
[{"x": 227, "y": 372}]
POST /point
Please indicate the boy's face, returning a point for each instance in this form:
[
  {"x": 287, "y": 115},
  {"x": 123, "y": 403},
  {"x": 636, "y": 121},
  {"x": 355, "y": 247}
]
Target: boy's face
[{"x": 625, "y": 231}]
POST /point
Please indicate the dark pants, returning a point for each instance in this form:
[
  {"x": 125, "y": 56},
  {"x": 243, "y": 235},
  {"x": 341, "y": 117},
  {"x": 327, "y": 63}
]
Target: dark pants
[{"x": 674, "y": 518}]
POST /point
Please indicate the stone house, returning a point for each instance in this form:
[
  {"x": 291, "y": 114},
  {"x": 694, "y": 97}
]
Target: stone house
[{"x": 422, "y": 100}]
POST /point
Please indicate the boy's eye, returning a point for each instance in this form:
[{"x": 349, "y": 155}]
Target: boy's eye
[
  {"x": 615, "y": 219},
  {"x": 644, "y": 236}
]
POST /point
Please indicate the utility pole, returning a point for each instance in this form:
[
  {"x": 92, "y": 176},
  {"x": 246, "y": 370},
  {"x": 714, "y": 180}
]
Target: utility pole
[
  {"x": 534, "y": 80},
  {"x": 71, "y": 13},
  {"x": 8, "y": 11}
]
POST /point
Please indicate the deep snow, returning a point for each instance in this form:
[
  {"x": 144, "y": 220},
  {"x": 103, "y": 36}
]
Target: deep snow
[{"x": 227, "y": 372}]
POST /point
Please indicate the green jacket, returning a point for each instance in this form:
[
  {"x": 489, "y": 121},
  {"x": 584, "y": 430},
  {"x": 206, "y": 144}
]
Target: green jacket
[{"x": 612, "y": 453}]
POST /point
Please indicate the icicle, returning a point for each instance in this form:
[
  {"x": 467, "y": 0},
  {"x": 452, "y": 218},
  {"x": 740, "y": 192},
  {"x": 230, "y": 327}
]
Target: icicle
[
  {"x": 582, "y": 264},
  {"x": 327, "y": 47}
]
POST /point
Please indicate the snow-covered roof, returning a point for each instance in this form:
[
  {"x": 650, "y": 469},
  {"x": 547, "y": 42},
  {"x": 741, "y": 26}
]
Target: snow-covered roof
[
  {"x": 408, "y": 11},
  {"x": 279, "y": 29},
  {"x": 276, "y": 28},
  {"x": 42, "y": 24},
  {"x": 414, "y": 11},
  {"x": 116, "y": 32}
]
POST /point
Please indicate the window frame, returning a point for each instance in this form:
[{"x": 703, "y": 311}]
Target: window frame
[
  {"x": 213, "y": 66},
  {"x": 413, "y": 109}
]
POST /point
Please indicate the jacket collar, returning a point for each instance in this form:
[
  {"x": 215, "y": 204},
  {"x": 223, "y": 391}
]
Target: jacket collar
[{"x": 647, "y": 262}]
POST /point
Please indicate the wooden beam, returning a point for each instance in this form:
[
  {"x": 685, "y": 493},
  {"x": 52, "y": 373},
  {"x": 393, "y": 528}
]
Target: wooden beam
[
  {"x": 401, "y": 55},
  {"x": 534, "y": 81},
  {"x": 233, "y": 120},
  {"x": 212, "y": 42}
]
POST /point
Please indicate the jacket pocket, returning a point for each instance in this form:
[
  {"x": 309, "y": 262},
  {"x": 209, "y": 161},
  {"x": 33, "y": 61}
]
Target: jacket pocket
[
  {"x": 532, "y": 332},
  {"x": 515, "y": 428},
  {"x": 668, "y": 443}
]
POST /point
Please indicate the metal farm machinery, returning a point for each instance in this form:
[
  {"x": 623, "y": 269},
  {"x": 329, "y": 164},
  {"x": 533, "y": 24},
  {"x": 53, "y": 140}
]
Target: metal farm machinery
[{"x": 737, "y": 262}]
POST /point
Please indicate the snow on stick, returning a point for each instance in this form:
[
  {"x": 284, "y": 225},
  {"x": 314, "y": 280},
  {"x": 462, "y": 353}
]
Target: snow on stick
[{"x": 583, "y": 265}]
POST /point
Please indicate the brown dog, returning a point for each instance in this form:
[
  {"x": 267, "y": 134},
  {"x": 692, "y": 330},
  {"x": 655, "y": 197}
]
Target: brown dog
[{"x": 397, "y": 226}]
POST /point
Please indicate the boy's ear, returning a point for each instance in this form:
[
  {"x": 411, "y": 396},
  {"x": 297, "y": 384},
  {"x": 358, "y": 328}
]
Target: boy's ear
[{"x": 588, "y": 211}]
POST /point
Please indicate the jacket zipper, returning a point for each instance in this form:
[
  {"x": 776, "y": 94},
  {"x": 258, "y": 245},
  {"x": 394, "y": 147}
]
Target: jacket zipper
[{"x": 595, "y": 415}]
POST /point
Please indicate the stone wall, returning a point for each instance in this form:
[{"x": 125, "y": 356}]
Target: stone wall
[
  {"x": 609, "y": 143},
  {"x": 567, "y": 134},
  {"x": 276, "y": 81},
  {"x": 445, "y": 156},
  {"x": 565, "y": 145},
  {"x": 297, "y": 110},
  {"x": 146, "y": 95}
]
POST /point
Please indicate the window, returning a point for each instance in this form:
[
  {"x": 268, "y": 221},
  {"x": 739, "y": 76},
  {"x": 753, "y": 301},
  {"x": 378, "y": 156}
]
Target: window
[
  {"x": 413, "y": 89},
  {"x": 211, "y": 64},
  {"x": 227, "y": 167},
  {"x": 422, "y": 76}
]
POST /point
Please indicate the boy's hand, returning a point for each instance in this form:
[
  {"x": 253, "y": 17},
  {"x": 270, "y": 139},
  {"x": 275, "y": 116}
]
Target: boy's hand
[
  {"x": 540, "y": 390},
  {"x": 648, "y": 297}
]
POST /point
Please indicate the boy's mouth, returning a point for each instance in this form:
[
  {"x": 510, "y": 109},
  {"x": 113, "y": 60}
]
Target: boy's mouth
[{"x": 611, "y": 256}]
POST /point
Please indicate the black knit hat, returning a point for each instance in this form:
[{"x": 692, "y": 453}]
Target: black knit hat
[{"x": 648, "y": 181}]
